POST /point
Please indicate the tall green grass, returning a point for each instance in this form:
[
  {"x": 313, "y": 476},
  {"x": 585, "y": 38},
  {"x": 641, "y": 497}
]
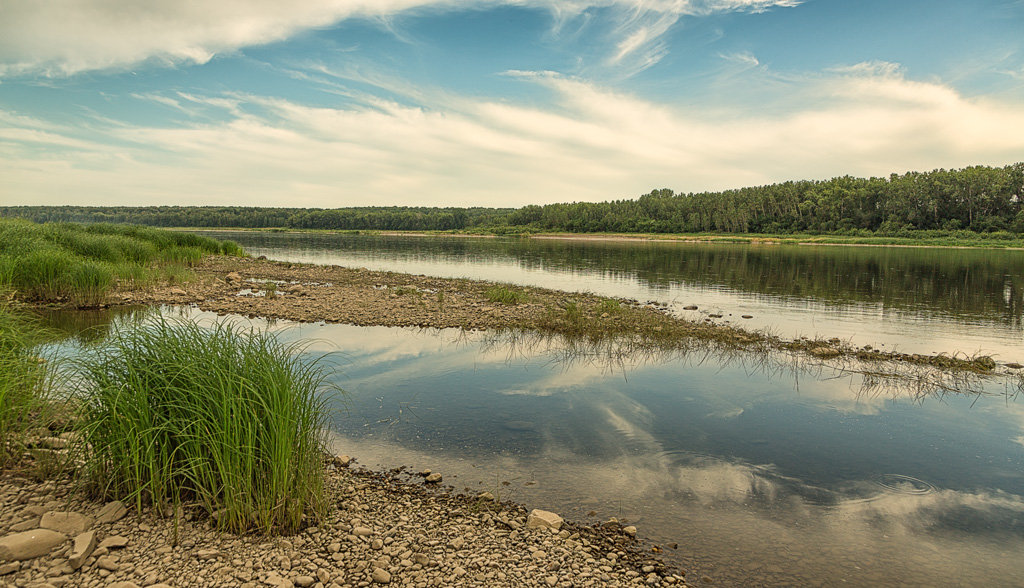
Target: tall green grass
[
  {"x": 506, "y": 295},
  {"x": 230, "y": 417},
  {"x": 81, "y": 263},
  {"x": 24, "y": 382}
]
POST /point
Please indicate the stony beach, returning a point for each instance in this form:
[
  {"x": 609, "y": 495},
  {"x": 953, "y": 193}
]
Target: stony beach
[{"x": 382, "y": 528}]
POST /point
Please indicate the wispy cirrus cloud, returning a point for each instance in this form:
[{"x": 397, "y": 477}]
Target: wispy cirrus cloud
[{"x": 68, "y": 37}]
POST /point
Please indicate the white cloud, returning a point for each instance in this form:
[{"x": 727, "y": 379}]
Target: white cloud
[
  {"x": 65, "y": 37},
  {"x": 590, "y": 144}
]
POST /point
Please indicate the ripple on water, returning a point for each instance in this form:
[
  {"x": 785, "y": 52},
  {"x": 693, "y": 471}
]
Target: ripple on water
[{"x": 901, "y": 484}]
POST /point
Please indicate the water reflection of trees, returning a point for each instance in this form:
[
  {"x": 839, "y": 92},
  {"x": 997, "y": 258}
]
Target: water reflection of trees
[
  {"x": 968, "y": 284},
  {"x": 867, "y": 380}
]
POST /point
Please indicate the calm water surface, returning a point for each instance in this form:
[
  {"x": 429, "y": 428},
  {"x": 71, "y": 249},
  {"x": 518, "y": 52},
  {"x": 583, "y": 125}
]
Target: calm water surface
[
  {"x": 916, "y": 300},
  {"x": 762, "y": 475}
]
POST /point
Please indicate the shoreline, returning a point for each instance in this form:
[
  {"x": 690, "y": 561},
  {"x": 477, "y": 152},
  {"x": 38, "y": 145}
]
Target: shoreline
[
  {"x": 725, "y": 239},
  {"x": 381, "y": 528}
]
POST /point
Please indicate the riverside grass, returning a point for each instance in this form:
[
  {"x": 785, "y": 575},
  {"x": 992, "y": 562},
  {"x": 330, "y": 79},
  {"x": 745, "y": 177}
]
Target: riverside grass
[
  {"x": 229, "y": 417},
  {"x": 81, "y": 263},
  {"x": 25, "y": 381}
]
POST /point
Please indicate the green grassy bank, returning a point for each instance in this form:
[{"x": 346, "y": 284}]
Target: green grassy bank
[{"x": 80, "y": 264}]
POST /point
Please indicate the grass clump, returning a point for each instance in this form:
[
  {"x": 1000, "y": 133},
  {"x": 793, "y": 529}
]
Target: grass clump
[
  {"x": 505, "y": 295},
  {"x": 24, "y": 382},
  {"x": 81, "y": 263},
  {"x": 231, "y": 418}
]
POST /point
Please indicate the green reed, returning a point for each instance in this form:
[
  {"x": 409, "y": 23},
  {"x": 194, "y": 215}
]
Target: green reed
[
  {"x": 24, "y": 382},
  {"x": 226, "y": 416}
]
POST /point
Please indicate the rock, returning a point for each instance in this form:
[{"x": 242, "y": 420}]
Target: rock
[
  {"x": 113, "y": 542},
  {"x": 296, "y": 289},
  {"x": 433, "y": 478},
  {"x": 111, "y": 512},
  {"x": 425, "y": 472},
  {"x": 26, "y": 525},
  {"x": 381, "y": 576},
  {"x": 342, "y": 461},
  {"x": 303, "y": 581},
  {"x": 1014, "y": 365},
  {"x": 823, "y": 351},
  {"x": 29, "y": 544},
  {"x": 458, "y": 543},
  {"x": 630, "y": 530},
  {"x": 543, "y": 519},
  {"x": 107, "y": 563},
  {"x": 67, "y": 522},
  {"x": 486, "y": 496},
  {"x": 9, "y": 568},
  {"x": 747, "y": 316},
  {"x": 123, "y": 584},
  {"x": 690, "y": 307},
  {"x": 362, "y": 531},
  {"x": 176, "y": 292},
  {"x": 233, "y": 277},
  {"x": 551, "y": 580},
  {"x": 84, "y": 545}
]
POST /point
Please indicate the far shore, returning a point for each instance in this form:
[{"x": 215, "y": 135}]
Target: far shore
[{"x": 723, "y": 238}]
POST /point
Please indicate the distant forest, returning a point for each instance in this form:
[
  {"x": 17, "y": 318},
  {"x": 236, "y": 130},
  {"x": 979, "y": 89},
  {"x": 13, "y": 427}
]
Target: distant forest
[{"x": 980, "y": 199}]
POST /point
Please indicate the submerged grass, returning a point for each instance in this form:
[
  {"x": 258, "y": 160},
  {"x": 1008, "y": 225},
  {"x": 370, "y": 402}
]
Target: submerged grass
[
  {"x": 226, "y": 416},
  {"x": 81, "y": 263}
]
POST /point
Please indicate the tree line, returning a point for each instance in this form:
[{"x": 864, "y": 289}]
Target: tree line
[{"x": 981, "y": 199}]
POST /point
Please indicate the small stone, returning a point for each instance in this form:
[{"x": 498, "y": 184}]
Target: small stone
[
  {"x": 205, "y": 554},
  {"x": 233, "y": 277},
  {"x": 84, "y": 545},
  {"x": 746, "y": 316},
  {"x": 381, "y": 576},
  {"x": 29, "y": 544},
  {"x": 303, "y": 581},
  {"x": 123, "y": 585},
  {"x": 458, "y": 543},
  {"x": 111, "y": 512},
  {"x": 107, "y": 563},
  {"x": 486, "y": 496},
  {"x": 113, "y": 542},
  {"x": 362, "y": 531},
  {"x": 342, "y": 461},
  {"x": 377, "y": 544},
  {"x": 9, "y": 568},
  {"x": 324, "y": 576},
  {"x": 690, "y": 307},
  {"x": 551, "y": 580},
  {"x": 68, "y": 523},
  {"x": 543, "y": 519},
  {"x": 630, "y": 530},
  {"x": 26, "y": 525},
  {"x": 433, "y": 478}
]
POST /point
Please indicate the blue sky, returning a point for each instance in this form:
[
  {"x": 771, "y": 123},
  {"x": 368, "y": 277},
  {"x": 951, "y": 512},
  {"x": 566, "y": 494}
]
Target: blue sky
[{"x": 493, "y": 103}]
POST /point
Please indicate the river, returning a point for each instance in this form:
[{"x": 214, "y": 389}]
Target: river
[{"x": 746, "y": 470}]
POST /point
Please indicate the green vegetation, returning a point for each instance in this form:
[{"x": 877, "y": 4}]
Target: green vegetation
[
  {"x": 942, "y": 204},
  {"x": 24, "y": 382},
  {"x": 505, "y": 295},
  {"x": 80, "y": 264},
  {"x": 229, "y": 417}
]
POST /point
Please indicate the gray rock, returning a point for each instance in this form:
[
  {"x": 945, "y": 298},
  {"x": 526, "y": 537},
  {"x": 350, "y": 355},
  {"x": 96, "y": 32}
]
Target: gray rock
[
  {"x": 381, "y": 576},
  {"x": 84, "y": 545},
  {"x": 29, "y": 544},
  {"x": 543, "y": 519},
  {"x": 111, "y": 512},
  {"x": 113, "y": 542},
  {"x": 67, "y": 522}
]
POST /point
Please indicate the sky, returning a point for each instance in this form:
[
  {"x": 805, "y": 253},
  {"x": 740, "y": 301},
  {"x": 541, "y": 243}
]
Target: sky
[{"x": 330, "y": 103}]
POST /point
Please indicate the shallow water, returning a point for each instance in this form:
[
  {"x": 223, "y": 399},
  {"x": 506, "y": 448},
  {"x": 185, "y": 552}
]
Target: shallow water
[
  {"x": 917, "y": 300},
  {"x": 763, "y": 474}
]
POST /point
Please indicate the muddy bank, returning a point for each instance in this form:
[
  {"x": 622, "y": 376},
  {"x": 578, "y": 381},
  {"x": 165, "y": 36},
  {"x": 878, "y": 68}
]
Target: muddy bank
[{"x": 313, "y": 293}]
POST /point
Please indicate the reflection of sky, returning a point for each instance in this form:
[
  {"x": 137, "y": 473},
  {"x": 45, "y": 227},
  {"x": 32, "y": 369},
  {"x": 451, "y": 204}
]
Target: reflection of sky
[
  {"x": 922, "y": 330},
  {"x": 743, "y": 467}
]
